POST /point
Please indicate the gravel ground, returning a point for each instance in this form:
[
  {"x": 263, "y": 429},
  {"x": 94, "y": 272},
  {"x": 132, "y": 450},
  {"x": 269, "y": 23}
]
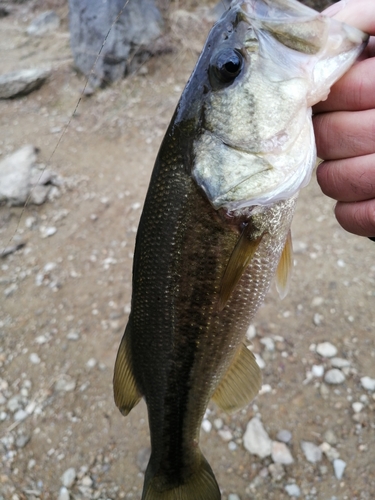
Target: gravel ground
[{"x": 65, "y": 300}]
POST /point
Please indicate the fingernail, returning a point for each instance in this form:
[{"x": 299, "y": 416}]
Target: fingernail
[{"x": 335, "y": 8}]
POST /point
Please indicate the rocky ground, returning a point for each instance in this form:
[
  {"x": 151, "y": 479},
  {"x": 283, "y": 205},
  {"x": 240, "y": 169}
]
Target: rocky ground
[{"x": 65, "y": 296}]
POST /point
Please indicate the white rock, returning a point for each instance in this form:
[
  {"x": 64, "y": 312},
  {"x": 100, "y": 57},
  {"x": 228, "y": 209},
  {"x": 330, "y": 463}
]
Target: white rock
[
  {"x": 340, "y": 363},
  {"x": 330, "y": 452},
  {"x": 268, "y": 343},
  {"x": 232, "y": 446},
  {"x": 339, "y": 467},
  {"x": 312, "y": 452},
  {"x": 69, "y": 477},
  {"x": 326, "y": 349},
  {"x": 218, "y": 423},
  {"x": 91, "y": 363},
  {"x": 357, "y": 407},
  {"x": 293, "y": 490},
  {"x": 21, "y": 82},
  {"x": 317, "y": 370},
  {"x": 20, "y": 415},
  {"x": 46, "y": 232},
  {"x": 281, "y": 453},
  {"x": 225, "y": 434},
  {"x": 260, "y": 361},
  {"x": 334, "y": 377},
  {"x": 15, "y": 174},
  {"x": 34, "y": 358},
  {"x": 368, "y": 383},
  {"x": 206, "y": 425},
  {"x": 63, "y": 494},
  {"x": 317, "y": 301},
  {"x": 233, "y": 496},
  {"x": 256, "y": 439},
  {"x": 251, "y": 332}
]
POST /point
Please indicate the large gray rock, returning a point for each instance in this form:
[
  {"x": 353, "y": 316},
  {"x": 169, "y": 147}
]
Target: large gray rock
[
  {"x": 22, "y": 82},
  {"x": 132, "y": 35}
]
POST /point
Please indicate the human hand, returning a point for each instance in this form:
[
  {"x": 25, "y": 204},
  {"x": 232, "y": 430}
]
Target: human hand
[{"x": 345, "y": 130}]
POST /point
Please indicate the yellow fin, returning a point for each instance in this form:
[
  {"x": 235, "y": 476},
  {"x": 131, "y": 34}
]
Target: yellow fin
[
  {"x": 239, "y": 260},
  {"x": 284, "y": 269},
  {"x": 125, "y": 388},
  {"x": 241, "y": 382},
  {"x": 200, "y": 485}
]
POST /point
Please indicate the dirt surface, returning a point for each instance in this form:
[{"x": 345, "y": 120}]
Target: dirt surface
[{"x": 64, "y": 300}]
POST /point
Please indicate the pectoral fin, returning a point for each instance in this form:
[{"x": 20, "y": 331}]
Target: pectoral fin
[
  {"x": 239, "y": 260},
  {"x": 284, "y": 269},
  {"x": 241, "y": 382},
  {"x": 125, "y": 388}
]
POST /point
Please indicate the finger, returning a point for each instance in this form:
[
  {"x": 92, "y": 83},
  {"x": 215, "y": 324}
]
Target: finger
[
  {"x": 358, "y": 13},
  {"x": 357, "y": 218},
  {"x": 348, "y": 180},
  {"x": 353, "y": 92},
  {"x": 344, "y": 134}
]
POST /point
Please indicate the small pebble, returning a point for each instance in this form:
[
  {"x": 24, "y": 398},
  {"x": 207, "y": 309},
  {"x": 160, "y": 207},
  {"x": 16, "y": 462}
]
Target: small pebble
[
  {"x": 330, "y": 437},
  {"x": 20, "y": 415},
  {"x": 334, "y": 377},
  {"x": 45, "y": 232},
  {"x": 65, "y": 384},
  {"x": 281, "y": 453},
  {"x": 34, "y": 358},
  {"x": 251, "y": 332},
  {"x": 317, "y": 370},
  {"x": 340, "y": 363},
  {"x": 233, "y": 496},
  {"x": 69, "y": 477},
  {"x": 312, "y": 452},
  {"x": 326, "y": 350},
  {"x": 277, "y": 471},
  {"x": 73, "y": 336},
  {"x": 218, "y": 423},
  {"x": 91, "y": 363},
  {"x": 268, "y": 343},
  {"x": 357, "y": 407},
  {"x": 63, "y": 494},
  {"x": 206, "y": 425},
  {"x": 339, "y": 467},
  {"x": 284, "y": 435},
  {"x": 260, "y": 361},
  {"x": 232, "y": 446},
  {"x": 256, "y": 439},
  {"x": 22, "y": 440},
  {"x": 293, "y": 490},
  {"x": 225, "y": 434},
  {"x": 368, "y": 383}
]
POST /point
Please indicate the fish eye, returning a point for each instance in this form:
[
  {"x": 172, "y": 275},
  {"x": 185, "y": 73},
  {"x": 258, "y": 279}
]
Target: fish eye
[{"x": 227, "y": 65}]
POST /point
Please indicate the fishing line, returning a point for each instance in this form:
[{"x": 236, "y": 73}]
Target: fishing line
[{"x": 65, "y": 128}]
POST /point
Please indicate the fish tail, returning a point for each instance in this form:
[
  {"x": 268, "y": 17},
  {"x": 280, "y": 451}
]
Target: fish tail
[{"x": 200, "y": 485}]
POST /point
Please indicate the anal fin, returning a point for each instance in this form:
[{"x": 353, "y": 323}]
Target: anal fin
[
  {"x": 125, "y": 389},
  {"x": 239, "y": 260},
  {"x": 241, "y": 382},
  {"x": 284, "y": 269}
]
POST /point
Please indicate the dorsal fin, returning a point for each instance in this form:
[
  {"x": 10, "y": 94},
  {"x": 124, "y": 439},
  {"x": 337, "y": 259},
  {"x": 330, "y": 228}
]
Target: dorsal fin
[
  {"x": 125, "y": 389},
  {"x": 284, "y": 269},
  {"x": 241, "y": 256},
  {"x": 241, "y": 382}
]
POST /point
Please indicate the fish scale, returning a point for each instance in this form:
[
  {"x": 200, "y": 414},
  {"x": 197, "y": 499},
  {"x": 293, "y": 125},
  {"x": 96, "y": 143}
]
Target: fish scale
[{"x": 215, "y": 228}]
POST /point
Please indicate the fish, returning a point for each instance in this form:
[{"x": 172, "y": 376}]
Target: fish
[{"x": 215, "y": 226}]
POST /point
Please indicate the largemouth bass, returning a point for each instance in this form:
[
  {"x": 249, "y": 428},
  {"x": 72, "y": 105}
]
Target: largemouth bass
[{"x": 215, "y": 227}]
